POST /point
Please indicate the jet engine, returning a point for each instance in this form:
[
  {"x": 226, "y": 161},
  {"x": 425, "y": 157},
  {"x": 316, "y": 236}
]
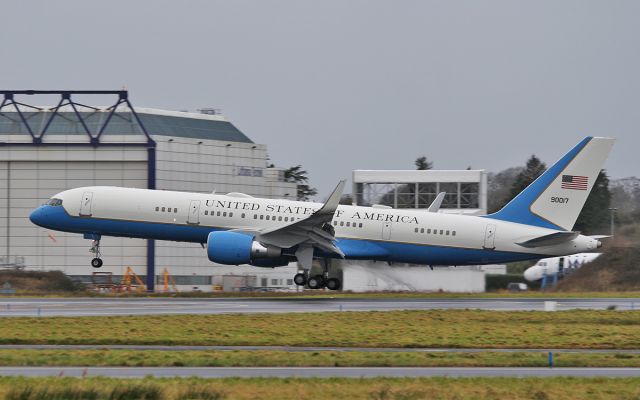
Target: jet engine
[{"x": 234, "y": 248}]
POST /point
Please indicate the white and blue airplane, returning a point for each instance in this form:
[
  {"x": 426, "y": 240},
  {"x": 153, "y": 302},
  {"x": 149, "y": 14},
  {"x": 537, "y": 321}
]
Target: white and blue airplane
[
  {"x": 239, "y": 229},
  {"x": 562, "y": 265}
]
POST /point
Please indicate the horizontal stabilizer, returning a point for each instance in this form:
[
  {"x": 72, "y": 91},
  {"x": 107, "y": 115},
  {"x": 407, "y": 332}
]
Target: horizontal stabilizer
[{"x": 550, "y": 240}]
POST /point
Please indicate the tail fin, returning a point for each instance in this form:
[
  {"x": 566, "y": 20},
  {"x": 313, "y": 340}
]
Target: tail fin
[{"x": 555, "y": 199}]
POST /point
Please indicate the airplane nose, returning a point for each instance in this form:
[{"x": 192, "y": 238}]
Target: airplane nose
[
  {"x": 38, "y": 216},
  {"x": 599, "y": 244},
  {"x": 528, "y": 275}
]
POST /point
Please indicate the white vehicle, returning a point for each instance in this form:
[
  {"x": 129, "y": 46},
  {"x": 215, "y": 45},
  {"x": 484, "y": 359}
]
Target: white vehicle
[
  {"x": 558, "y": 265},
  {"x": 239, "y": 229}
]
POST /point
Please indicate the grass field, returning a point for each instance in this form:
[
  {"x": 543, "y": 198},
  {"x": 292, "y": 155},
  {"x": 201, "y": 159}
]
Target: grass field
[
  {"x": 337, "y": 388},
  {"x": 205, "y": 358},
  {"x": 451, "y": 328}
]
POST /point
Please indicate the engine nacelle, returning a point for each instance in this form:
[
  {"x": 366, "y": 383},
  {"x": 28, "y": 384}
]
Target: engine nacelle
[{"x": 233, "y": 248}]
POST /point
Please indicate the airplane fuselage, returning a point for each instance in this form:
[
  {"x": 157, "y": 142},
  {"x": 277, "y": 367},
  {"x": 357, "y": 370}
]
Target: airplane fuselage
[{"x": 384, "y": 234}]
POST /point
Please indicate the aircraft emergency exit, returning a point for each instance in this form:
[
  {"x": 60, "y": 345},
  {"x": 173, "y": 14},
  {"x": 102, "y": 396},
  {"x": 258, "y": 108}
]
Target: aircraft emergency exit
[{"x": 240, "y": 229}]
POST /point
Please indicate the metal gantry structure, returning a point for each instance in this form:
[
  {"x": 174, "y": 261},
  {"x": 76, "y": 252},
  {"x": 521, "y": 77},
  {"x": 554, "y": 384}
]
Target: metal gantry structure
[{"x": 10, "y": 103}]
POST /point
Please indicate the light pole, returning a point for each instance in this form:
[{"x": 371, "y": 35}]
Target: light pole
[{"x": 613, "y": 212}]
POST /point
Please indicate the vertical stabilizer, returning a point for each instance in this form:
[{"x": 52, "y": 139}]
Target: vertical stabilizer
[{"x": 555, "y": 199}]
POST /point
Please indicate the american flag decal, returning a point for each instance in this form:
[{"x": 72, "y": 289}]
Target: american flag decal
[{"x": 575, "y": 182}]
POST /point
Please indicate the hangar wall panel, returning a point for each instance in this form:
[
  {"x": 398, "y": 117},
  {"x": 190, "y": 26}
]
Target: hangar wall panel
[
  {"x": 208, "y": 165},
  {"x": 33, "y": 175}
]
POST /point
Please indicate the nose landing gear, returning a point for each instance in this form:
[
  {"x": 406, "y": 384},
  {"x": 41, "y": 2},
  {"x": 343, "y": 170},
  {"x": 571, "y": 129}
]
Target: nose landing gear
[{"x": 96, "y": 262}]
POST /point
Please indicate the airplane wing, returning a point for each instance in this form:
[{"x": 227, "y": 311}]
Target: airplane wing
[
  {"x": 308, "y": 233},
  {"x": 550, "y": 239}
]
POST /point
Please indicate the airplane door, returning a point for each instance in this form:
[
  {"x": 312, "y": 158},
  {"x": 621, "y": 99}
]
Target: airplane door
[
  {"x": 386, "y": 230},
  {"x": 85, "y": 205},
  {"x": 489, "y": 237},
  {"x": 194, "y": 212}
]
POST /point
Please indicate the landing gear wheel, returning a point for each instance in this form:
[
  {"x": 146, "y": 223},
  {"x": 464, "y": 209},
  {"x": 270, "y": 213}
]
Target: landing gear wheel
[
  {"x": 96, "y": 262},
  {"x": 95, "y": 250},
  {"x": 316, "y": 282},
  {"x": 300, "y": 279},
  {"x": 333, "y": 284}
]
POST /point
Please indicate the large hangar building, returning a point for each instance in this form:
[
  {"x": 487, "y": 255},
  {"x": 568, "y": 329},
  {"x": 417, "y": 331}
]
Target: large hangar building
[{"x": 45, "y": 150}]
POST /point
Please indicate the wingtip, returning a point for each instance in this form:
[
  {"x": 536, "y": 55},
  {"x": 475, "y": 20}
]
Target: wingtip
[
  {"x": 340, "y": 185},
  {"x": 334, "y": 199}
]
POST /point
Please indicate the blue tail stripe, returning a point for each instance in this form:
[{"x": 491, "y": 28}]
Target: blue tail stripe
[{"x": 518, "y": 210}]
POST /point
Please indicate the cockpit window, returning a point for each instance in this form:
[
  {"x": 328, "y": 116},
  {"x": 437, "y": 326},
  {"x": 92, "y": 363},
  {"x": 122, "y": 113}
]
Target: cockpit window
[{"x": 54, "y": 202}]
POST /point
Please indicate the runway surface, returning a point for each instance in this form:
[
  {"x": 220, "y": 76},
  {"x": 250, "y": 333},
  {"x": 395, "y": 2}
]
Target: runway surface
[
  {"x": 303, "y": 349},
  {"x": 305, "y": 372},
  {"x": 52, "y": 307}
]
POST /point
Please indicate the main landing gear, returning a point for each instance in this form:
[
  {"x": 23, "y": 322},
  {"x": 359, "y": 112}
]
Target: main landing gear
[
  {"x": 96, "y": 262},
  {"x": 317, "y": 281},
  {"x": 300, "y": 278},
  {"x": 333, "y": 284}
]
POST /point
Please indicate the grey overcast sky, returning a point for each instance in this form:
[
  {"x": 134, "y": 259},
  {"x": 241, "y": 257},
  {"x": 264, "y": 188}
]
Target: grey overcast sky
[{"x": 343, "y": 85}]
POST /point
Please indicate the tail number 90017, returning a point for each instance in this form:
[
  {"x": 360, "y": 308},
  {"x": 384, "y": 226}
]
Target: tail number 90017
[{"x": 562, "y": 200}]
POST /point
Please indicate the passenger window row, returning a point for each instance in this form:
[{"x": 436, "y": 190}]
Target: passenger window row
[
  {"x": 348, "y": 224},
  {"x": 255, "y": 216},
  {"x": 167, "y": 209},
  {"x": 220, "y": 213},
  {"x": 435, "y": 231},
  {"x": 273, "y": 217}
]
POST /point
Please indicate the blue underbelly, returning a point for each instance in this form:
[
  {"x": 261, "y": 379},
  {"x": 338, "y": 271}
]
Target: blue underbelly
[
  {"x": 426, "y": 254},
  {"x": 62, "y": 221}
]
